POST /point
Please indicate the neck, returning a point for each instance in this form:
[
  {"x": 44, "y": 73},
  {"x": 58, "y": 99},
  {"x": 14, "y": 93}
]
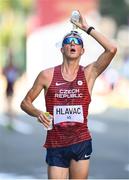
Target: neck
[
  {"x": 69, "y": 70},
  {"x": 70, "y": 67}
]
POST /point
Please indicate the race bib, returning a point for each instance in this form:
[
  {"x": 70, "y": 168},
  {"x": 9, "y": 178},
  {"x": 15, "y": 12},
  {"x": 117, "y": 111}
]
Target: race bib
[{"x": 68, "y": 114}]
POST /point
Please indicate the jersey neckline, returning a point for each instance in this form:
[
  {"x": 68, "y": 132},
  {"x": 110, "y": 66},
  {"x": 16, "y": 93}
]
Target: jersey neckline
[{"x": 67, "y": 80}]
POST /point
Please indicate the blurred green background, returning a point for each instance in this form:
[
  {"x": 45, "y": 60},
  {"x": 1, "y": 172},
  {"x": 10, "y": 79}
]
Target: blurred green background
[{"x": 13, "y": 16}]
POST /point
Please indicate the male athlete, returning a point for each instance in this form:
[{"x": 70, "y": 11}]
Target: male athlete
[{"x": 68, "y": 88}]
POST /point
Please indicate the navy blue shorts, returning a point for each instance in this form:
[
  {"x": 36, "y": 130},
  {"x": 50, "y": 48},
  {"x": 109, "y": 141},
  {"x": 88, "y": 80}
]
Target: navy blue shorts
[{"x": 62, "y": 156}]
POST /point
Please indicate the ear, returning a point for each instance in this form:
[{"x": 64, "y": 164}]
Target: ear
[
  {"x": 62, "y": 50},
  {"x": 82, "y": 51}
]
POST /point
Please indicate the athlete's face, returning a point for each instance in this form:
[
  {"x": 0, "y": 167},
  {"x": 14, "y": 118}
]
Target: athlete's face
[{"x": 72, "y": 47}]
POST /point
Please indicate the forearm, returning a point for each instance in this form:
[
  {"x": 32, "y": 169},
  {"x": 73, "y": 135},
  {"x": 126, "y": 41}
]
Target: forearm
[
  {"x": 30, "y": 109},
  {"x": 106, "y": 57},
  {"x": 102, "y": 40}
]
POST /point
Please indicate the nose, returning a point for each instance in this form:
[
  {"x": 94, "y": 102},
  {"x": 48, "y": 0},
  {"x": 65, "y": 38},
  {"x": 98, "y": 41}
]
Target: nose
[{"x": 72, "y": 42}]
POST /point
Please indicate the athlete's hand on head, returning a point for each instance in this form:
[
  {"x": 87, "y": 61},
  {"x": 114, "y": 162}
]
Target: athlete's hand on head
[
  {"x": 42, "y": 118},
  {"x": 82, "y": 24}
]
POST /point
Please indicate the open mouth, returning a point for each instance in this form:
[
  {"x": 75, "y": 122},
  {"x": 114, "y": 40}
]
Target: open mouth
[{"x": 72, "y": 50}]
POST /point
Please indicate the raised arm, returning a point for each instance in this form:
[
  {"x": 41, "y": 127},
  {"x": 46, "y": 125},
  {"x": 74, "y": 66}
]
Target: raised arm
[
  {"x": 109, "y": 48},
  {"x": 109, "y": 51}
]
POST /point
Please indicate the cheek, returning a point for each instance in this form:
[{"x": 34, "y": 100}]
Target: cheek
[
  {"x": 66, "y": 49},
  {"x": 79, "y": 50}
]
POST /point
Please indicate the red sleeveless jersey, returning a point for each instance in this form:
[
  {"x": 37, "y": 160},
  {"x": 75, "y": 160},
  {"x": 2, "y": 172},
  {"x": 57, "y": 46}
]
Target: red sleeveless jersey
[{"x": 68, "y": 102}]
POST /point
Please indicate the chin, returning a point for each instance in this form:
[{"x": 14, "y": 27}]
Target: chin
[{"x": 73, "y": 58}]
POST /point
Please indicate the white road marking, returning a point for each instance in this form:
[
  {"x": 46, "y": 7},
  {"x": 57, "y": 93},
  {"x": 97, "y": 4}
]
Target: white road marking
[
  {"x": 18, "y": 125},
  {"x": 97, "y": 126},
  {"x": 26, "y": 128},
  {"x": 4, "y": 176},
  {"x": 127, "y": 167},
  {"x": 11, "y": 176}
]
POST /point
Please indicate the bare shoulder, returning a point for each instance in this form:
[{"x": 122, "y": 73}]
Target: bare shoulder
[
  {"x": 47, "y": 72},
  {"x": 46, "y": 76}
]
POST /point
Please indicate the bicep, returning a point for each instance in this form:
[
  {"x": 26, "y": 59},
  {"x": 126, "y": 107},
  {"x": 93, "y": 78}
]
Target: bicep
[
  {"x": 35, "y": 90},
  {"x": 33, "y": 93}
]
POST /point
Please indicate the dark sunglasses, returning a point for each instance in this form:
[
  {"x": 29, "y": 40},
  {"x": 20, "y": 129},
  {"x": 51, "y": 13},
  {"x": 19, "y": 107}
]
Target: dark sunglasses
[{"x": 76, "y": 40}]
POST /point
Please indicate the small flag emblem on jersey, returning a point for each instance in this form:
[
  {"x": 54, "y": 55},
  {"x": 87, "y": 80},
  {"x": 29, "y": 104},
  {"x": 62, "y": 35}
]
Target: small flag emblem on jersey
[{"x": 80, "y": 83}]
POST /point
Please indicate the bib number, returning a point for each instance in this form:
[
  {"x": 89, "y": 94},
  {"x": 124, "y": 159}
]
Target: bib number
[{"x": 68, "y": 114}]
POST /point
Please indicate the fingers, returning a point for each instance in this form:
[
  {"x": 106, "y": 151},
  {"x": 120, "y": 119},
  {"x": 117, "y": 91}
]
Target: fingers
[
  {"x": 44, "y": 120},
  {"x": 80, "y": 13},
  {"x": 82, "y": 24},
  {"x": 75, "y": 23}
]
